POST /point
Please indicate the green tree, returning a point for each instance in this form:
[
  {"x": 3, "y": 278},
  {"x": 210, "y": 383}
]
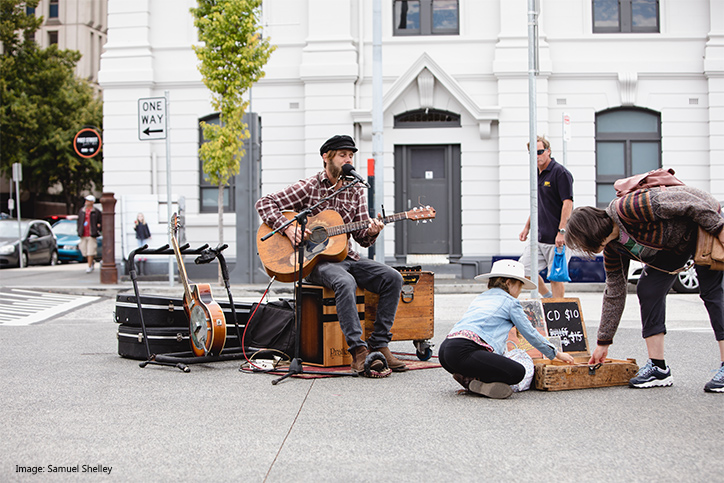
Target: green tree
[
  {"x": 43, "y": 106},
  {"x": 232, "y": 54}
]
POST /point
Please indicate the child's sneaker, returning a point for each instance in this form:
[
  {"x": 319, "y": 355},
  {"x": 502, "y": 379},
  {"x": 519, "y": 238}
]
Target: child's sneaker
[
  {"x": 717, "y": 382},
  {"x": 494, "y": 390},
  {"x": 652, "y": 376}
]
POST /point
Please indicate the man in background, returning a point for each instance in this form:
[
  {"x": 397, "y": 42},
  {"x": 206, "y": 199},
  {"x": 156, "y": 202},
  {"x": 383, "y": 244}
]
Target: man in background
[
  {"x": 555, "y": 203},
  {"x": 89, "y": 227}
]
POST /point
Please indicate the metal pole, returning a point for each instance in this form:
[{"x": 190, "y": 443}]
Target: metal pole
[
  {"x": 566, "y": 129},
  {"x": 251, "y": 245},
  {"x": 11, "y": 201},
  {"x": 377, "y": 121},
  {"x": 18, "y": 176},
  {"x": 168, "y": 183},
  {"x": 533, "y": 139},
  {"x": 371, "y": 200}
]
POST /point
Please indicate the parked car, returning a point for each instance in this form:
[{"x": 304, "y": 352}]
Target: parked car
[
  {"x": 686, "y": 281},
  {"x": 39, "y": 244},
  {"x": 66, "y": 231},
  {"x": 53, "y": 218}
]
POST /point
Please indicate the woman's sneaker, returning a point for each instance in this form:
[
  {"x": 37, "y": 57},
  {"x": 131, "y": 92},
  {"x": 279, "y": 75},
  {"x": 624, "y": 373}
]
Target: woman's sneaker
[
  {"x": 652, "y": 376},
  {"x": 494, "y": 390},
  {"x": 717, "y": 382}
]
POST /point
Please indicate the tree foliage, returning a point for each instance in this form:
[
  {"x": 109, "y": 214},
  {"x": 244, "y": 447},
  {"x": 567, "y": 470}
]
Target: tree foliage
[
  {"x": 232, "y": 54},
  {"x": 42, "y": 108}
]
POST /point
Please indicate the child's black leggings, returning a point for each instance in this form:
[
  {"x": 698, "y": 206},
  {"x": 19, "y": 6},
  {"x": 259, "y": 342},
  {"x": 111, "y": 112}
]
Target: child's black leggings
[{"x": 463, "y": 356}]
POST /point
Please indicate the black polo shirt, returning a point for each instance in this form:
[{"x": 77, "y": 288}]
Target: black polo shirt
[{"x": 555, "y": 184}]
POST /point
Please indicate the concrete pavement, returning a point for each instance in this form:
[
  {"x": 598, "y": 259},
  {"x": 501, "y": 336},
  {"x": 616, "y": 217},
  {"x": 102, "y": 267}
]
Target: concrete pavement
[{"x": 71, "y": 403}]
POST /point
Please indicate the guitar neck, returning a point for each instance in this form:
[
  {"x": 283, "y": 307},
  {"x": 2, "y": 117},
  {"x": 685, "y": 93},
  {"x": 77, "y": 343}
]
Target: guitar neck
[
  {"x": 359, "y": 225},
  {"x": 181, "y": 267}
]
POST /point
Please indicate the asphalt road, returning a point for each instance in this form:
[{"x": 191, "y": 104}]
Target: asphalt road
[{"x": 71, "y": 403}]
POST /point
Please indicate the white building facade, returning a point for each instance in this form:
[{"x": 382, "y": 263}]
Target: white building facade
[
  {"x": 642, "y": 87},
  {"x": 76, "y": 25}
]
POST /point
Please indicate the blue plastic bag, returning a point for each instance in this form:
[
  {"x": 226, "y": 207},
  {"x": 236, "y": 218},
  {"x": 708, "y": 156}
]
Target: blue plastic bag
[{"x": 559, "y": 270}]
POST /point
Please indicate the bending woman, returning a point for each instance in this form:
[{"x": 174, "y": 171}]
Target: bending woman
[
  {"x": 658, "y": 227},
  {"x": 473, "y": 350}
]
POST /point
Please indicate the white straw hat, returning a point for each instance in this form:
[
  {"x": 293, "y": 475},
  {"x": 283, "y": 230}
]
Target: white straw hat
[
  {"x": 508, "y": 269},
  {"x": 90, "y": 198}
]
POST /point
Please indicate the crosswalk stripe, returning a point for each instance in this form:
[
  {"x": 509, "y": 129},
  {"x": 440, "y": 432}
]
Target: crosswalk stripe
[{"x": 25, "y": 307}]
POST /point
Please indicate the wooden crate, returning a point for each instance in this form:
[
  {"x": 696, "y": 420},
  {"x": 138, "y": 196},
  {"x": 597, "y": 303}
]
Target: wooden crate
[
  {"x": 321, "y": 339},
  {"x": 557, "y": 376},
  {"x": 415, "y": 317},
  {"x": 563, "y": 318}
]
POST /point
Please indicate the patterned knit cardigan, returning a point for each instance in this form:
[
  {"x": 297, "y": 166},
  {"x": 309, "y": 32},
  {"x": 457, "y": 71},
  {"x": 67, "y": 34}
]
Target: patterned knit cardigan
[{"x": 663, "y": 218}]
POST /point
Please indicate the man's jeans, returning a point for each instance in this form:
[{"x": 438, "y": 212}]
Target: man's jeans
[{"x": 344, "y": 277}]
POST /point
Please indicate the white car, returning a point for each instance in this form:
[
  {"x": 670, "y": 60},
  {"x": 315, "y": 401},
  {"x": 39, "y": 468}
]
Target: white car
[{"x": 686, "y": 282}]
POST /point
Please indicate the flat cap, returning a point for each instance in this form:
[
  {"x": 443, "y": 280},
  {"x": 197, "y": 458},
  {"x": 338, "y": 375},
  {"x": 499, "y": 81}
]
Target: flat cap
[{"x": 340, "y": 141}]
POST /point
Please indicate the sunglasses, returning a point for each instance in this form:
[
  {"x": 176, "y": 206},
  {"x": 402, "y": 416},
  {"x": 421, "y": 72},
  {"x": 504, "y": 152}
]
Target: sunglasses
[{"x": 541, "y": 151}]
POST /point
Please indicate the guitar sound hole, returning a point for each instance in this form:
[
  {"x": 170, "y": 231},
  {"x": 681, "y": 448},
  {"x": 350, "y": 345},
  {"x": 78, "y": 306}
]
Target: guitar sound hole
[{"x": 318, "y": 235}]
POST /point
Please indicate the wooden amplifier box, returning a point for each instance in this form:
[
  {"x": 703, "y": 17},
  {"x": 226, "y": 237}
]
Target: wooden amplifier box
[
  {"x": 321, "y": 339},
  {"x": 562, "y": 319},
  {"x": 415, "y": 317}
]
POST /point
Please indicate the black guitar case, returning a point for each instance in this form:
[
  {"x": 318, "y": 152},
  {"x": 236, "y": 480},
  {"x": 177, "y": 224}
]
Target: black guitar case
[
  {"x": 167, "y": 327},
  {"x": 160, "y": 311},
  {"x": 161, "y": 340}
]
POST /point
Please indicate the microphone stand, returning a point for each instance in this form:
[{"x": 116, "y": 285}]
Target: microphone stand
[{"x": 295, "y": 366}]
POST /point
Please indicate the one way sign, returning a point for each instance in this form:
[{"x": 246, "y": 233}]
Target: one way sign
[{"x": 152, "y": 118}]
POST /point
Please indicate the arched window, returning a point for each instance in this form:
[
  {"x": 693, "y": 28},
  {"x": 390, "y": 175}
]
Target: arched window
[
  {"x": 421, "y": 118},
  {"x": 628, "y": 142}
]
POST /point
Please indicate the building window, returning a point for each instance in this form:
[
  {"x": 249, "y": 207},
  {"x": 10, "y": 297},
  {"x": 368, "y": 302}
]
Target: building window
[
  {"x": 628, "y": 142},
  {"x": 209, "y": 193},
  {"x": 426, "y": 17},
  {"x": 29, "y": 11},
  {"x": 52, "y": 37},
  {"x": 614, "y": 16},
  {"x": 53, "y": 9},
  {"x": 422, "y": 118}
]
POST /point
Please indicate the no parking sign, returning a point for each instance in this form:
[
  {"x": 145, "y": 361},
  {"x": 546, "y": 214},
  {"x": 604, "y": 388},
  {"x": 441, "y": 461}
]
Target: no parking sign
[{"x": 87, "y": 142}]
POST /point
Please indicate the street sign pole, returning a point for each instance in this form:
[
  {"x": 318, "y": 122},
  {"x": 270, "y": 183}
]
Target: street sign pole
[
  {"x": 18, "y": 177},
  {"x": 566, "y": 136},
  {"x": 168, "y": 184},
  {"x": 153, "y": 124},
  {"x": 533, "y": 140}
]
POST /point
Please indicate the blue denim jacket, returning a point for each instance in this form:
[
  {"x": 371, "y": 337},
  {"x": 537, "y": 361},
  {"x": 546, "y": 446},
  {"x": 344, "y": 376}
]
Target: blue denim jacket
[{"x": 493, "y": 313}]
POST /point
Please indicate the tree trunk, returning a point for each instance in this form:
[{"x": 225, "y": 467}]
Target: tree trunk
[{"x": 221, "y": 226}]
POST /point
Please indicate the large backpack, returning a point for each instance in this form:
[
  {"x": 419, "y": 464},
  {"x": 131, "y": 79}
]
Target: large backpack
[{"x": 656, "y": 177}]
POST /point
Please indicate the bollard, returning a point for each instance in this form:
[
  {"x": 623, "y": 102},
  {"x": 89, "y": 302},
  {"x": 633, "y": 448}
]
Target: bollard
[{"x": 109, "y": 272}]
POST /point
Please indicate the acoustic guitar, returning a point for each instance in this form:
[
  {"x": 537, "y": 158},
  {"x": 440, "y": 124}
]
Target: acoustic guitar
[
  {"x": 328, "y": 241},
  {"x": 207, "y": 324}
]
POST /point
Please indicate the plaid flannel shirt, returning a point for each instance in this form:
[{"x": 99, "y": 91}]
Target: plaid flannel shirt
[{"x": 351, "y": 204}]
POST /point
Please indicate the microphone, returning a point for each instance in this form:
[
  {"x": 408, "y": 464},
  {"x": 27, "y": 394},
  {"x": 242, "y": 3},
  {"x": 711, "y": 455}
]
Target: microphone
[{"x": 348, "y": 171}]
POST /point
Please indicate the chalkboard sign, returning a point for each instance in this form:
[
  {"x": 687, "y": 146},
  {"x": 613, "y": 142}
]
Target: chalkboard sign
[{"x": 564, "y": 319}]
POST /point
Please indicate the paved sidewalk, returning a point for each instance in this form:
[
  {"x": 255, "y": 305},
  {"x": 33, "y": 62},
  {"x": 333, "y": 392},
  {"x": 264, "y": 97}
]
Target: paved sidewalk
[{"x": 71, "y": 278}]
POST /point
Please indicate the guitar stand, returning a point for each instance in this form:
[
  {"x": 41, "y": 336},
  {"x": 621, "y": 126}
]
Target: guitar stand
[{"x": 181, "y": 359}]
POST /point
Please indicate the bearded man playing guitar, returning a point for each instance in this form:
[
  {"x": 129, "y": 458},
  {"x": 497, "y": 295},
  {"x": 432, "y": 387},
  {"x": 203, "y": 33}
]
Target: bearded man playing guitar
[{"x": 346, "y": 275}]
